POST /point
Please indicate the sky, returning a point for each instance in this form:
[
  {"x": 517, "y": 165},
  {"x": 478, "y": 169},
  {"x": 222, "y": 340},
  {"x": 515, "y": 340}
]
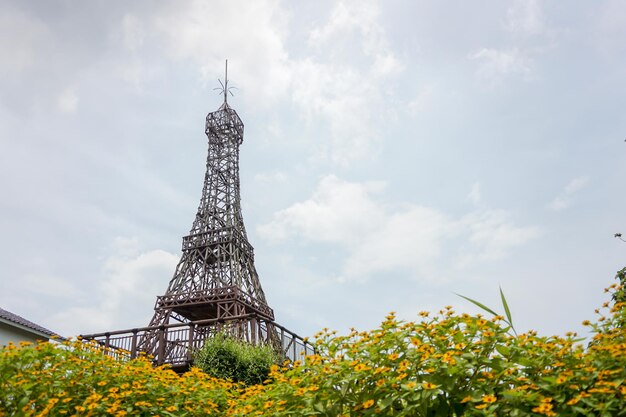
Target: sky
[{"x": 396, "y": 154}]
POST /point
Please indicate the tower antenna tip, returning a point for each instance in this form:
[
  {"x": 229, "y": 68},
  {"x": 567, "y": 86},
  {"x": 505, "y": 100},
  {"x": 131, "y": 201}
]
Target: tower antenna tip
[{"x": 225, "y": 89}]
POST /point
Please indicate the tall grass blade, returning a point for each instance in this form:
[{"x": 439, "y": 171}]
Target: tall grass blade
[
  {"x": 481, "y": 305},
  {"x": 507, "y": 311},
  {"x": 506, "y": 307}
]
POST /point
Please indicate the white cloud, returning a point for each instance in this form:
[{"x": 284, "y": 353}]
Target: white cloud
[
  {"x": 492, "y": 236},
  {"x": 494, "y": 64},
  {"x": 21, "y": 37},
  {"x": 412, "y": 238},
  {"x": 564, "y": 199},
  {"x": 204, "y": 34},
  {"x": 526, "y": 21},
  {"x": 338, "y": 211},
  {"x": 340, "y": 77},
  {"x": 273, "y": 177},
  {"x": 475, "y": 196},
  {"x": 130, "y": 282},
  {"x": 132, "y": 32},
  {"x": 348, "y": 18},
  {"x": 347, "y": 90},
  {"x": 525, "y": 17},
  {"x": 423, "y": 100},
  {"x": 68, "y": 101},
  {"x": 609, "y": 30},
  {"x": 344, "y": 97},
  {"x": 345, "y": 17},
  {"x": 51, "y": 286}
]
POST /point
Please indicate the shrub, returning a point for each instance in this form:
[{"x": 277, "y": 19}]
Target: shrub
[
  {"x": 454, "y": 365},
  {"x": 445, "y": 365},
  {"x": 76, "y": 378},
  {"x": 225, "y": 357}
]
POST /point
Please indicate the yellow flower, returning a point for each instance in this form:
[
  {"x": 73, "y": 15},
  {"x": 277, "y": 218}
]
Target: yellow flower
[
  {"x": 361, "y": 367},
  {"x": 466, "y": 399},
  {"x": 601, "y": 390},
  {"x": 368, "y": 403},
  {"x": 489, "y": 398},
  {"x": 544, "y": 408},
  {"x": 380, "y": 370},
  {"x": 393, "y": 356},
  {"x": 428, "y": 385}
]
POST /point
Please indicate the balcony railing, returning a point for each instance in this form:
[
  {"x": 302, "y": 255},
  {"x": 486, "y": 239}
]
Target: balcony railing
[{"x": 175, "y": 344}]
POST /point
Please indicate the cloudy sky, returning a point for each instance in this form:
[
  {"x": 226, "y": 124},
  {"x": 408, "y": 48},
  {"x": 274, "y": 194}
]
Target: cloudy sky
[{"x": 395, "y": 153}]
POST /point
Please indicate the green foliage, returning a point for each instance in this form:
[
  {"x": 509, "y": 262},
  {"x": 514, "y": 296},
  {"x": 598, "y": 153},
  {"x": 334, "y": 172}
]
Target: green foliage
[
  {"x": 76, "y": 378},
  {"x": 619, "y": 296},
  {"x": 225, "y": 357},
  {"x": 454, "y": 365},
  {"x": 446, "y": 364}
]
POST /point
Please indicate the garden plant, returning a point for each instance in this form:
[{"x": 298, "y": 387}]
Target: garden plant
[
  {"x": 446, "y": 364},
  {"x": 225, "y": 357}
]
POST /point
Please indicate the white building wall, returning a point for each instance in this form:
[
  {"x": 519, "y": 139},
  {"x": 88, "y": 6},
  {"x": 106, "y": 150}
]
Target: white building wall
[{"x": 16, "y": 335}]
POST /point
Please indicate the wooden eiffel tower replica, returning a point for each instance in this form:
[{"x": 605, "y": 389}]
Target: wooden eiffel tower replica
[{"x": 215, "y": 287}]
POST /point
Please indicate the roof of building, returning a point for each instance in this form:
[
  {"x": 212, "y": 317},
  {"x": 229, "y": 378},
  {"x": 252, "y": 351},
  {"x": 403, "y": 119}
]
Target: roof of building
[{"x": 12, "y": 318}]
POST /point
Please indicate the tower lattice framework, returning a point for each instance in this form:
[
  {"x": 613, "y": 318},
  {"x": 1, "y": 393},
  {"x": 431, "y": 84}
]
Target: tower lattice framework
[{"x": 216, "y": 277}]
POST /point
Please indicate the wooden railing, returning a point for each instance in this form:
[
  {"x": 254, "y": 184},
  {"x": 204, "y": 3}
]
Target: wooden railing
[{"x": 175, "y": 344}]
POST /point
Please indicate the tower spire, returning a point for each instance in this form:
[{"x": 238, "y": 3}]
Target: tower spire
[
  {"x": 226, "y": 84},
  {"x": 224, "y": 88}
]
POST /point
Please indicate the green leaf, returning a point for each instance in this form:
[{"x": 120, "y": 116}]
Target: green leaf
[
  {"x": 503, "y": 350},
  {"x": 481, "y": 305},
  {"x": 319, "y": 407},
  {"x": 506, "y": 307},
  {"x": 385, "y": 403}
]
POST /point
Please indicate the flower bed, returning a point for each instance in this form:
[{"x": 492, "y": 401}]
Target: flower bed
[{"x": 447, "y": 364}]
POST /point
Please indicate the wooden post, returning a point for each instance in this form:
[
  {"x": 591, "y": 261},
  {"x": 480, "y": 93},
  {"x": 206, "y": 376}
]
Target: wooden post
[
  {"x": 161, "y": 347},
  {"x": 253, "y": 327},
  {"x": 190, "y": 341},
  {"x": 133, "y": 345},
  {"x": 282, "y": 340},
  {"x": 106, "y": 343}
]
